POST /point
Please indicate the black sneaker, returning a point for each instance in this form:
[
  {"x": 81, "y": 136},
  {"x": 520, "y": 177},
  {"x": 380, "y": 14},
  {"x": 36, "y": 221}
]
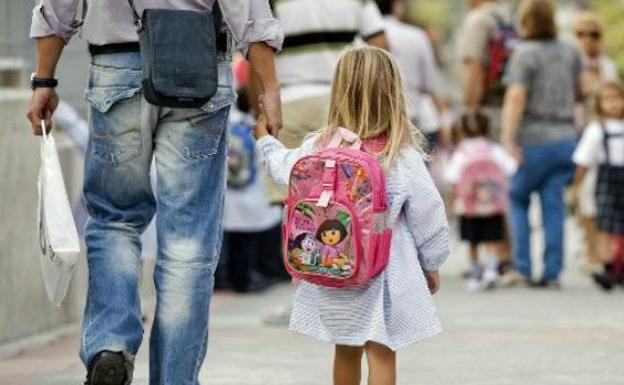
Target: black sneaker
[
  {"x": 604, "y": 280},
  {"x": 110, "y": 368}
]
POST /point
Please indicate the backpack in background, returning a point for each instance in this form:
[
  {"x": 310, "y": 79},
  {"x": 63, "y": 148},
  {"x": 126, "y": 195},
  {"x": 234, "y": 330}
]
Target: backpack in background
[
  {"x": 500, "y": 46},
  {"x": 241, "y": 163},
  {"x": 335, "y": 231},
  {"x": 482, "y": 189}
]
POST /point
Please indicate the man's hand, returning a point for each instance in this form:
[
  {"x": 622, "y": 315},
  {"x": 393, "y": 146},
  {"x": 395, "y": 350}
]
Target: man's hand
[
  {"x": 261, "y": 58},
  {"x": 42, "y": 105},
  {"x": 271, "y": 109},
  {"x": 45, "y": 100},
  {"x": 433, "y": 281}
]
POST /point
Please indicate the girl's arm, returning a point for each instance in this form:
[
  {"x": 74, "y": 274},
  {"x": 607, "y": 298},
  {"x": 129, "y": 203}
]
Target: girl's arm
[
  {"x": 276, "y": 159},
  {"x": 425, "y": 213},
  {"x": 580, "y": 174}
]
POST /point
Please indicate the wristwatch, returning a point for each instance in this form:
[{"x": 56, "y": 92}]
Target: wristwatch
[{"x": 36, "y": 82}]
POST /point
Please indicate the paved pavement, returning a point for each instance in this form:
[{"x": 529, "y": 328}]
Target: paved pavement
[{"x": 505, "y": 337}]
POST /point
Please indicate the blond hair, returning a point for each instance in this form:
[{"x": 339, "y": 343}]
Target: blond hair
[
  {"x": 587, "y": 19},
  {"x": 367, "y": 98},
  {"x": 608, "y": 86}
]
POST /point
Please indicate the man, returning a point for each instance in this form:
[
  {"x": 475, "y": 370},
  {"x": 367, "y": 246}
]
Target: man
[
  {"x": 413, "y": 51},
  {"x": 189, "y": 148},
  {"x": 481, "y": 23}
]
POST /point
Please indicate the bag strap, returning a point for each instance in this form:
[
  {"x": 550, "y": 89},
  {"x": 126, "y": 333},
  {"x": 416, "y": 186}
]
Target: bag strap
[
  {"x": 344, "y": 135},
  {"x": 605, "y": 140},
  {"x": 135, "y": 15},
  {"x": 216, "y": 14}
]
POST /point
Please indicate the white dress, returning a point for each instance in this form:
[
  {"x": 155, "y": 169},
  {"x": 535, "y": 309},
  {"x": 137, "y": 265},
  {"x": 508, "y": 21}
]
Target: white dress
[{"x": 395, "y": 308}]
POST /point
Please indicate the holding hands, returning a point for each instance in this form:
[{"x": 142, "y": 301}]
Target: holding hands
[{"x": 262, "y": 128}]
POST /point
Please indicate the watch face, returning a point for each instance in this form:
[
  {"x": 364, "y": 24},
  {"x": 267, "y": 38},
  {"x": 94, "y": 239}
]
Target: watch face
[{"x": 33, "y": 76}]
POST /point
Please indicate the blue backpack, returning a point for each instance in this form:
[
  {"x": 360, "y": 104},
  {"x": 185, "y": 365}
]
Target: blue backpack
[{"x": 241, "y": 156}]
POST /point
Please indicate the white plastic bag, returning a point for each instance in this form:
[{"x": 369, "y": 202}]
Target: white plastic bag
[{"x": 60, "y": 245}]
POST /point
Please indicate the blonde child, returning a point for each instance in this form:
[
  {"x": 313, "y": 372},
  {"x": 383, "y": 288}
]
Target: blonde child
[
  {"x": 394, "y": 309},
  {"x": 483, "y": 229},
  {"x": 602, "y": 144}
]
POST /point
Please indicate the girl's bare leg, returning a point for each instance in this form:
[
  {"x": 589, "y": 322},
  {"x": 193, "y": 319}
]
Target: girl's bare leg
[
  {"x": 606, "y": 247},
  {"x": 591, "y": 234},
  {"x": 381, "y": 364},
  {"x": 348, "y": 365},
  {"x": 473, "y": 253}
]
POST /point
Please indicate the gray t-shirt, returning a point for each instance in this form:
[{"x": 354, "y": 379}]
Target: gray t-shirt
[{"x": 550, "y": 72}]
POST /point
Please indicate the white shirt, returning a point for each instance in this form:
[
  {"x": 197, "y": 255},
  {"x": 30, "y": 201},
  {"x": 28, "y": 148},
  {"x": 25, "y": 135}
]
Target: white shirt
[
  {"x": 590, "y": 150},
  {"x": 413, "y": 52},
  {"x": 316, "y": 32},
  {"x": 108, "y": 22},
  {"x": 607, "y": 67},
  {"x": 458, "y": 161}
]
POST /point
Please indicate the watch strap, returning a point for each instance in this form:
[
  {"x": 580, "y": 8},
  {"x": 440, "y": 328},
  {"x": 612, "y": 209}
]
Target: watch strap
[{"x": 43, "y": 83}]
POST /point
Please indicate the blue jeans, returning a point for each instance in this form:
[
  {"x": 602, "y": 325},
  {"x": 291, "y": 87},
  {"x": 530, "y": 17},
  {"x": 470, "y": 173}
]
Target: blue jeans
[
  {"x": 546, "y": 169},
  {"x": 189, "y": 149}
]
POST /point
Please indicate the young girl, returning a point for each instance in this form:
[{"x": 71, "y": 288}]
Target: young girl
[
  {"x": 602, "y": 144},
  {"x": 395, "y": 308},
  {"x": 478, "y": 171}
]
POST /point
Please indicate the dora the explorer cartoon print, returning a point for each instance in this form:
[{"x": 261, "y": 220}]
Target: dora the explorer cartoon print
[
  {"x": 331, "y": 233},
  {"x": 322, "y": 242}
]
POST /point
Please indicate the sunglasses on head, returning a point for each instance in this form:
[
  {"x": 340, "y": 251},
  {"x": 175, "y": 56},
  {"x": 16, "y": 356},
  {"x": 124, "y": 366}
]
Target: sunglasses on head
[{"x": 592, "y": 34}]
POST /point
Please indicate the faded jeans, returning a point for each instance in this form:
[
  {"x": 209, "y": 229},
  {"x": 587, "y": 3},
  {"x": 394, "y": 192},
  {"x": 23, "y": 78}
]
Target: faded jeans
[
  {"x": 546, "y": 169},
  {"x": 189, "y": 150}
]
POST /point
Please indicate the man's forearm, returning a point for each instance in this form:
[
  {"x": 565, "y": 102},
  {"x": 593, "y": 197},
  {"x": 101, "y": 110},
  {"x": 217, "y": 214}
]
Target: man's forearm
[
  {"x": 473, "y": 85},
  {"x": 49, "y": 52},
  {"x": 513, "y": 109},
  {"x": 263, "y": 64}
]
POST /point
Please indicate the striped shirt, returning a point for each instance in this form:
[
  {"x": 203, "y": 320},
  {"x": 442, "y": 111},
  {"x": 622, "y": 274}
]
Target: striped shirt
[{"x": 316, "y": 32}]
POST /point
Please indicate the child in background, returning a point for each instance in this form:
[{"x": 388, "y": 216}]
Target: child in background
[
  {"x": 602, "y": 144},
  {"x": 478, "y": 171},
  {"x": 395, "y": 308},
  {"x": 244, "y": 265}
]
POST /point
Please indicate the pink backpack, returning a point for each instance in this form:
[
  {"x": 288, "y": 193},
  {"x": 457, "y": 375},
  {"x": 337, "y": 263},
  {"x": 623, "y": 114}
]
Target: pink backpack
[
  {"x": 482, "y": 187},
  {"x": 335, "y": 232}
]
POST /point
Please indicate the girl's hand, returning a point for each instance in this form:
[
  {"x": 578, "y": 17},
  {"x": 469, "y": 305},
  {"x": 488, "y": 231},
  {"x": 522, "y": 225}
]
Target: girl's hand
[
  {"x": 433, "y": 281},
  {"x": 261, "y": 128}
]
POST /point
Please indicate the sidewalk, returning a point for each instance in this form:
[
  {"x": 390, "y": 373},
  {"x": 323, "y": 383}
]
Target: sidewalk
[{"x": 504, "y": 337}]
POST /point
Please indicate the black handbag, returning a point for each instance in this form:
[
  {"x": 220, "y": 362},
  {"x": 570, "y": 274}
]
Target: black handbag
[{"x": 179, "y": 55}]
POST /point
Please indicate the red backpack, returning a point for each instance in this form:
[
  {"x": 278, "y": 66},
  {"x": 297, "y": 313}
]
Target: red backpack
[{"x": 501, "y": 44}]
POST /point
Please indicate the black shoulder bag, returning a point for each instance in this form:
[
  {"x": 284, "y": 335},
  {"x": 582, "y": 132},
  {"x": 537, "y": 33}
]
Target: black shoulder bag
[{"x": 179, "y": 55}]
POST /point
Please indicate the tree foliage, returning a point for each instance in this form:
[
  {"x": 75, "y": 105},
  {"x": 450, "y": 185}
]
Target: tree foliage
[{"x": 612, "y": 13}]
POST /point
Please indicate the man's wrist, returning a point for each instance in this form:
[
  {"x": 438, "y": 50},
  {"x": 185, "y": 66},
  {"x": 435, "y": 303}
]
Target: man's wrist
[{"x": 37, "y": 81}]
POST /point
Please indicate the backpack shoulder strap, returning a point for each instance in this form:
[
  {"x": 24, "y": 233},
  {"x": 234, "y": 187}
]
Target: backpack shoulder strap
[{"x": 605, "y": 140}]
